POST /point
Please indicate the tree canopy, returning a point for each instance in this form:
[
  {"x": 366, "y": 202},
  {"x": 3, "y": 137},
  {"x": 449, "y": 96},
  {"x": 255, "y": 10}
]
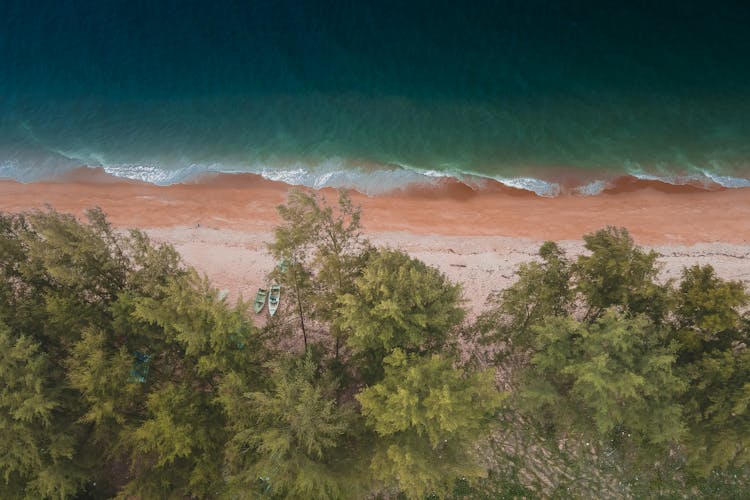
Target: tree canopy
[
  {"x": 425, "y": 412},
  {"x": 111, "y": 347},
  {"x": 123, "y": 373},
  {"x": 294, "y": 434},
  {"x": 614, "y": 375},
  {"x": 603, "y": 352},
  {"x": 399, "y": 302},
  {"x": 619, "y": 273},
  {"x": 320, "y": 253}
]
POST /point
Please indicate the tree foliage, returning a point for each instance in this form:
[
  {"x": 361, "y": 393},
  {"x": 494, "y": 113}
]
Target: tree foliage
[
  {"x": 320, "y": 252},
  {"x": 614, "y": 375},
  {"x": 618, "y": 273},
  {"x": 123, "y": 374},
  {"x": 39, "y": 457},
  {"x": 603, "y": 352},
  {"x": 295, "y": 435},
  {"x": 399, "y": 302},
  {"x": 428, "y": 416},
  {"x": 543, "y": 290},
  {"x": 714, "y": 359},
  {"x": 707, "y": 312},
  {"x": 79, "y": 304}
]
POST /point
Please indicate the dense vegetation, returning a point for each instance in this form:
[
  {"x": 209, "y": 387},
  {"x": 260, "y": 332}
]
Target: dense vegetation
[{"x": 124, "y": 373}]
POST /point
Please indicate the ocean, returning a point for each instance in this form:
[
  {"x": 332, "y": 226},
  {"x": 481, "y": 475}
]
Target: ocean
[{"x": 377, "y": 95}]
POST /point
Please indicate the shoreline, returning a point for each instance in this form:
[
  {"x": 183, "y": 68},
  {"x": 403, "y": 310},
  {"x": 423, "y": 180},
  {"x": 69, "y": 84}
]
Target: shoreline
[
  {"x": 477, "y": 238},
  {"x": 654, "y": 212}
]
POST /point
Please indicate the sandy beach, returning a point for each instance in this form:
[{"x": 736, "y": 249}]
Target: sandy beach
[{"x": 478, "y": 238}]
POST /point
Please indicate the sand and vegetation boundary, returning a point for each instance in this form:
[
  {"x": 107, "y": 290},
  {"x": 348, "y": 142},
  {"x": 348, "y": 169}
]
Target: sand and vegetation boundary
[{"x": 591, "y": 370}]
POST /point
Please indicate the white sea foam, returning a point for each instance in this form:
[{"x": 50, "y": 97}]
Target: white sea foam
[
  {"x": 539, "y": 186},
  {"x": 153, "y": 174},
  {"x": 728, "y": 181},
  {"x": 337, "y": 173},
  {"x": 704, "y": 177},
  {"x": 367, "y": 181},
  {"x": 669, "y": 179},
  {"x": 10, "y": 169},
  {"x": 380, "y": 181},
  {"x": 332, "y": 173},
  {"x": 592, "y": 188}
]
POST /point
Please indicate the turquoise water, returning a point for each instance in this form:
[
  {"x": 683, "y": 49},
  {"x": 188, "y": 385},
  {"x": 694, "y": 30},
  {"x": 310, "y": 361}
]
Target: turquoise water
[{"x": 378, "y": 94}]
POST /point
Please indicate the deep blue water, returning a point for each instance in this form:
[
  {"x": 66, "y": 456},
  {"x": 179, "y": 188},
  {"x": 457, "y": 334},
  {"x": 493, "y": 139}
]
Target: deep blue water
[{"x": 376, "y": 93}]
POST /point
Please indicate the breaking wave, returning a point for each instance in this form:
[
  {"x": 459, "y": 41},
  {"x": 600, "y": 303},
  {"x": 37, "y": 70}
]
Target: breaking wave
[
  {"x": 376, "y": 179},
  {"x": 387, "y": 179}
]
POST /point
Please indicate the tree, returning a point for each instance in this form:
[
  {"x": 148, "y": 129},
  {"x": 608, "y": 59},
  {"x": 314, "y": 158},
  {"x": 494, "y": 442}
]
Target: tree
[
  {"x": 543, "y": 290},
  {"x": 111, "y": 350},
  {"x": 59, "y": 279},
  {"x": 341, "y": 255},
  {"x": 618, "y": 273},
  {"x": 604, "y": 354},
  {"x": 716, "y": 410},
  {"x": 292, "y": 245},
  {"x": 399, "y": 302},
  {"x": 96, "y": 368},
  {"x": 39, "y": 458},
  {"x": 707, "y": 312},
  {"x": 715, "y": 361},
  {"x": 320, "y": 252},
  {"x": 294, "y": 439},
  {"x": 428, "y": 416},
  {"x": 177, "y": 445},
  {"x": 611, "y": 381},
  {"x": 20, "y": 303}
]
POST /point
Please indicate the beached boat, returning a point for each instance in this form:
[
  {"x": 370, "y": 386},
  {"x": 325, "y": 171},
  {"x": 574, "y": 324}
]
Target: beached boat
[
  {"x": 260, "y": 300},
  {"x": 273, "y": 299}
]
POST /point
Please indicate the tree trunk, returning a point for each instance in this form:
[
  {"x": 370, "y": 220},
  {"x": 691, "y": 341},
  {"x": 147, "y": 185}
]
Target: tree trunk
[{"x": 299, "y": 308}]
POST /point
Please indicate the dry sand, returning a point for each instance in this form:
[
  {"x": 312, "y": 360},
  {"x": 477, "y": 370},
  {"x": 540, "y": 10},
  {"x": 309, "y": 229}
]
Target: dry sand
[
  {"x": 221, "y": 224},
  {"x": 238, "y": 261}
]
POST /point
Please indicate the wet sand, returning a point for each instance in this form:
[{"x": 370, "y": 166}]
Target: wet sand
[
  {"x": 221, "y": 223},
  {"x": 655, "y": 213}
]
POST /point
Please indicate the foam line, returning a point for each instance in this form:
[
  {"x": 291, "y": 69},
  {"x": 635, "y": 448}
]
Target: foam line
[{"x": 382, "y": 179}]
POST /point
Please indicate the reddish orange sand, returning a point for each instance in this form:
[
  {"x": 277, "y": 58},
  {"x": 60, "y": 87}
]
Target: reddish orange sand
[{"x": 654, "y": 213}]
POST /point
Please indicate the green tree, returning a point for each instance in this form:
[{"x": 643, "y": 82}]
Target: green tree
[
  {"x": 295, "y": 439},
  {"x": 618, "y": 273},
  {"x": 399, "y": 302},
  {"x": 21, "y": 304},
  {"x": 111, "y": 351},
  {"x": 708, "y": 311},
  {"x": 602, "y": 353},
  {"x": 429, "y": 417},
  {"x": 39, "y": 457},
  {"x": 610, "y": 381},
  {"x": 320, "y": 251},
  {"x": 543, "y": 290},
  {"x": 177, "y": 450},
  {"x": 715, "y": 362},
  {"x": 340, "y": 256},
  {"x": 716, "y": 410},
  {"x": 97, "y": 368},
  {"x": 177, "y": 446},
  {"x": 293, "y": 245},
  {"x": 59, "y": 280}
]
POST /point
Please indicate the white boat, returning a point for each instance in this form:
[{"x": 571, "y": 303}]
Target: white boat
[
  {"x": 273, "y": 299},
  {"x": 260, "y": 300}
]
